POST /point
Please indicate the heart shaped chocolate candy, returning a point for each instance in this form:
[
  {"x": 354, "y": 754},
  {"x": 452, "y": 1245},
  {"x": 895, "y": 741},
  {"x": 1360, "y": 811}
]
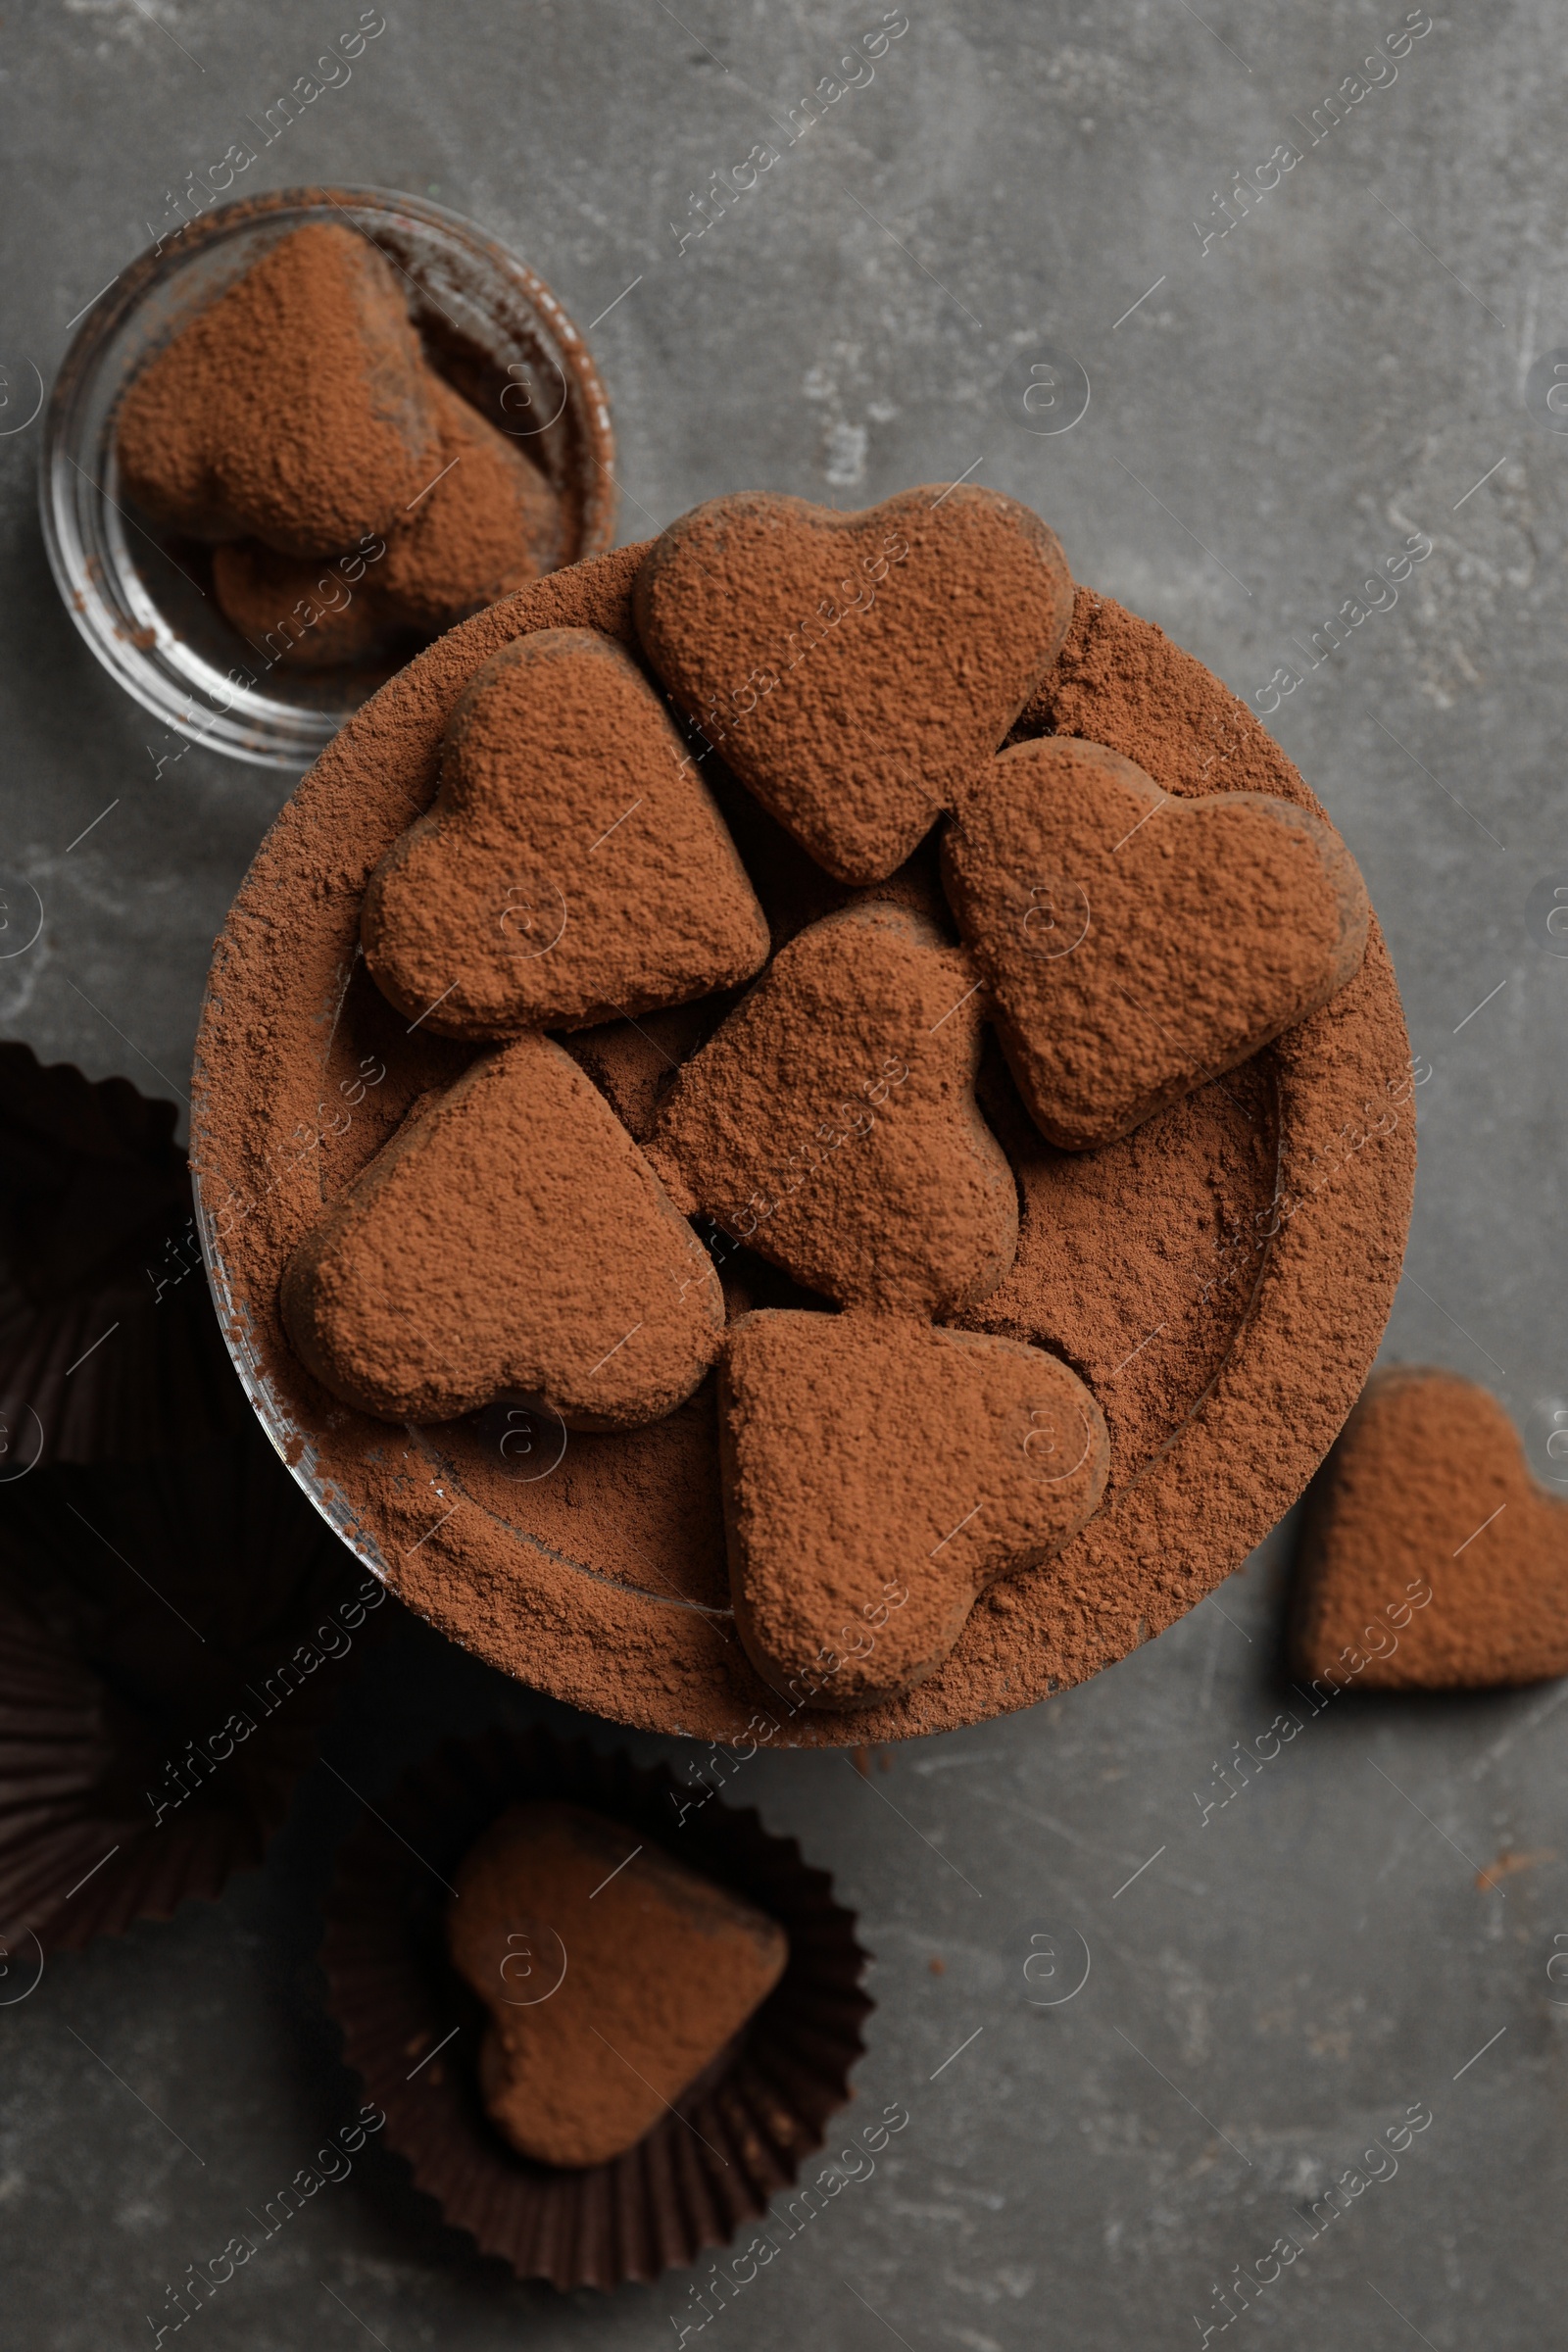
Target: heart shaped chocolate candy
[
  {"x": 856, "y": 669},
  {"x": 573, "y": 866},
  {"x": 879, "y": 1474},
  {"x": 1135, "y": 943},
  {"x": 658, "y": 1968},
  {"x": 296, "y": 408},
  {"x": 1429, "y": 1557},
  {"x": 510, "y": 1239},
  {"x": 831, "y": 1123}
]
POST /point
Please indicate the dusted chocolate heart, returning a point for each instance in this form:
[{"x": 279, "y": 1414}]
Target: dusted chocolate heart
[
  {"x": 488, "y": 524},
  {"x": 856, "y": 669},
  {"x": 484, "y": 527},
  {"x": 295, "y": 409},
  {"x": 879, "y": 1474},
  {"x": 1429, "y": 1557},
  {"x": 831, "y": 1121},
  {"x": 573, "y": 865},
  {"x": 510, "y": 1238},
  {"x": 1135, "y": 943},
  {"x": 613, "y": 1975}
]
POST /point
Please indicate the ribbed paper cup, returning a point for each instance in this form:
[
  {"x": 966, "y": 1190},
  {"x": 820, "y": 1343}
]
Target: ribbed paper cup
[
  {"x": 108, "y": 1345},
  {"x": 171, "y": 1635},
  {"x": 412, "y": 2026}
]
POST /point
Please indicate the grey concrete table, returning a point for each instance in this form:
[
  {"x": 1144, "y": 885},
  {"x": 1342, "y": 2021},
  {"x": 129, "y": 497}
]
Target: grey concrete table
[{"x": 1287, "y": 384}]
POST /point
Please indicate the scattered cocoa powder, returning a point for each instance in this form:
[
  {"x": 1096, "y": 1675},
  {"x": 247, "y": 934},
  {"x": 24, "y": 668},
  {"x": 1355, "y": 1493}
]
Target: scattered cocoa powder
[
  {"x": 1430, "y": 1558},
  {"x": 633, "y": 1061},
  {"x": 854, "y": 669},
  {"x": 613, "y": 1976},
  {"x": 1137, "y": 944},
  {"x": 1119, "y": 681},
  {"x": 1137, "y": 1263},
  {"x": 583, "y": 1580}
]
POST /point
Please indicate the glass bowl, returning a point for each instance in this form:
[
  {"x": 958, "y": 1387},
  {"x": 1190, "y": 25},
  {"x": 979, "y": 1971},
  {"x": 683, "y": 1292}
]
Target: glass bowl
[{"x": 138, "y": 595}]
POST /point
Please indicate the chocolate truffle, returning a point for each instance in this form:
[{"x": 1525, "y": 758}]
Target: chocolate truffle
[
  {"x": 855, "y": 669},
  {"x": 295, "y": 409},
  {"x": 573, "y": 866},
  {"x": 831, "y": 1121},
  {"x": 1431, "y": 1559},
  {"x": 510, "y": 1238},
  {"x": 1137, "y": 945},
  {"x": 612, "y": 1974}
]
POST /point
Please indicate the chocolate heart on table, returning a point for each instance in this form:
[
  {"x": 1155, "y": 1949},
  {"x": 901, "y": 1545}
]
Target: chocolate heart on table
[
  {"x": 1135, "y": 943},
  {"x": 510, "y": 1239},
  {"x": 879, "y": 1473},
  {"x": 856, "y": 669},
  {"x": 831, "y": 1123},
  {"x": 295, "y": 409},
  {"x": 1429, "y": 1559},
  {"x": 573, "y": 866}
]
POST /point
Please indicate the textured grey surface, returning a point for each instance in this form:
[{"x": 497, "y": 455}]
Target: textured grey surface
[{"x": 1272, "y": 419}]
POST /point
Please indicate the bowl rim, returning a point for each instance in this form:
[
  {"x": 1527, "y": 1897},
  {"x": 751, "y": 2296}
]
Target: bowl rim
[{"x": 178, "y": 704}]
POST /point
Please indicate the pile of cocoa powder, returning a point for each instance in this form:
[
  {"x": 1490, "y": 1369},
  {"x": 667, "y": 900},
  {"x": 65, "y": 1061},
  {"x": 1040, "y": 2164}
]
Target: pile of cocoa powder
[
  {"x": 355, "y": 503},
  {"x": 1177, "y": 1231}
]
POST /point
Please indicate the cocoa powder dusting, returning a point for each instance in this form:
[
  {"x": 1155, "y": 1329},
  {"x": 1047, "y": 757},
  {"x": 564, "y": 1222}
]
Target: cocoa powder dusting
[
  {"x": 297, "y": 420},
  {"x": 295, "y": 409},
  {"x": 1119, "y": 681},
  {"x": 1431, "y": 1559},
  {"x": 1168, "y": 939},
  {"x": 1137, "y": 1262},
  {"x": 511, "y": 1237},
  {"x": 659, "y": 1970},
  {"x": 598, "y": 1576}
]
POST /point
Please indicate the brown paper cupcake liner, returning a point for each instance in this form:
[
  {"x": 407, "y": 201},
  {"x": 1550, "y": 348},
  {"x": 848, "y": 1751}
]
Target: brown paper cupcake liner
[
  {"x": 172, "y": 1632},
  {"x": 108, "y": 1345},
  {"x": 743, "y": 2129}
]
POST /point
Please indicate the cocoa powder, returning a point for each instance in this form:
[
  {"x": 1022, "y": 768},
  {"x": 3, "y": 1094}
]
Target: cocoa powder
[{"x": 597, "y": 1575}]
